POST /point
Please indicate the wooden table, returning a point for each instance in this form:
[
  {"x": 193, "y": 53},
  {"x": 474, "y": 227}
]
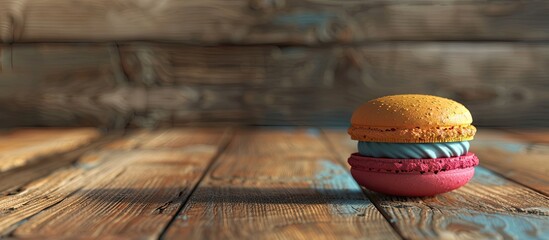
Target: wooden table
[{"x": 253, "y": 183}]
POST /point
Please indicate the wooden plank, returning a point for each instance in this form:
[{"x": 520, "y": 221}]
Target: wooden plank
[
  {"x": 23, "y": 146},
  {"x": 271, "y": 22},
  {"x": 34, "y": 197},
  {"x": 174, "y": 85},
  {"x": 341, "y": 143},
  {"x": 531, "y": 135},
  {"x": 294, "y": 85},
  {"x": 5, "y": 58},
  {"x": 35, "y": 194},
  {"x": 13, "y": 179},
  {"x": 516, "y": 159},
  {"x": 59, "y": 85},
  {"x": 126, "y": 192},
  {"x": 282, "y": 184},
  {"x": 488, "y": 207}
]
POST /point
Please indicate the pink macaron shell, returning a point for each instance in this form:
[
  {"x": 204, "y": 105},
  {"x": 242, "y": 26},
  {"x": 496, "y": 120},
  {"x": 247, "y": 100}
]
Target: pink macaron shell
[
  {"x": 413, "y": 177},
  {"x": 426, "y": 165},
  {"x": 411, "y": 184}
]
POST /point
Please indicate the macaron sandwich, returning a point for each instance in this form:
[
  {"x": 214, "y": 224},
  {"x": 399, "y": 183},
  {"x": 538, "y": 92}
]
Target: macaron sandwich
[{"x": 412, "y": 145}]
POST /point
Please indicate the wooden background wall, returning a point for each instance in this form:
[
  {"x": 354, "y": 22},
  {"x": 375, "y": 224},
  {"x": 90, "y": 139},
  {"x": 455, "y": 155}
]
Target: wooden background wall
[{"x": 151, "y": 63}]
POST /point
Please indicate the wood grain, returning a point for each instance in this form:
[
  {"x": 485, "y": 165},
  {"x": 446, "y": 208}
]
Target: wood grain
[
  {"x": 23, "y": 146},
  {"x": 38, "y": 186},
  {"x": 516, "y": 159},
  {"x": 300, "y": 86},
  {"x": 270, "y": 22},
  {"x": 62, "y": 85},
  {"x": 278, "y": 184},
  {"x": 152, "y": 85},
  {"x": 488, "y": 207},
  {"x": 115, "y": 192},
  {"x": 13, "y": 179},
  {"x": 531, "y": 135}
]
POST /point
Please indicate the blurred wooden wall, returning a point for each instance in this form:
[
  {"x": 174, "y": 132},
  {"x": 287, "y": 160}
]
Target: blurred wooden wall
[{"x": 126, "y": 63}]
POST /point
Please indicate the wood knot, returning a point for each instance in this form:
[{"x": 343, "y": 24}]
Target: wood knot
[{"x": 334, "y": 29}]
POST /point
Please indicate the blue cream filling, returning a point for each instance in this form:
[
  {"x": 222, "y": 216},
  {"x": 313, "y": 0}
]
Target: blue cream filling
[{"x": 413, "y": 150}]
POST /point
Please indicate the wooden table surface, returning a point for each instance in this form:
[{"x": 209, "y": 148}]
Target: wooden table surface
[{"x": 253, "y": 183}]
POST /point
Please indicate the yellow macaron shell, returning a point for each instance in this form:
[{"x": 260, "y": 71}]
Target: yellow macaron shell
[{"x": 412, "y": 118}]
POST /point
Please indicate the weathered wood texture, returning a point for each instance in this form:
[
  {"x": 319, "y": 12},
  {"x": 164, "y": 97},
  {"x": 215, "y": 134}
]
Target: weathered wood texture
[
  {"x": 524, "y": 162},
  {"x": 23, "y": 146},
  {"x": 278, "y": 184},
  {"x": 273, "y": 22},
  {"x": 13, "y": 179},
  {"x": 130, "y": 189},
  {"x": 56, "y": 85},
  {"x": 147, "y": 85},
  {"x": 488, "y": 207},
  {"x": 532, "y": 135}
]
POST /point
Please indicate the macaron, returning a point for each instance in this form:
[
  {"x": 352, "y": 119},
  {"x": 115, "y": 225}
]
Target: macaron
[{"x": 412, "y": 145}]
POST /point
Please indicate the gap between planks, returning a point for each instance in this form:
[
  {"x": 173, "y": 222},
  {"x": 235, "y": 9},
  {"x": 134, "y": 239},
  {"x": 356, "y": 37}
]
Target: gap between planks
[
  {"x": 215, "y": 158},
  {"x": 278, "y": 182}
]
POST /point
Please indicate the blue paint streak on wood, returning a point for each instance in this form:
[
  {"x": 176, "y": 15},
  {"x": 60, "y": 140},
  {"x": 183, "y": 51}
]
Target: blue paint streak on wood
[
  {"x": 313, "y": 132},
  {"x": 345, "y": 195},
  {"x": 487, "y": 177},
  {"x": 501, "y": 224},
  {"x": 303, "y": 20}
]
